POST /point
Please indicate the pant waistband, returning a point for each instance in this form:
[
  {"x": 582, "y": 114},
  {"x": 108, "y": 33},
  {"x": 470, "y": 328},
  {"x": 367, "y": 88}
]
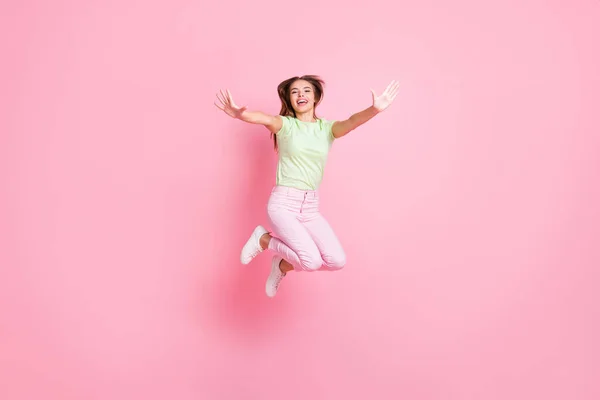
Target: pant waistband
[{"x": 296, "y": 193}]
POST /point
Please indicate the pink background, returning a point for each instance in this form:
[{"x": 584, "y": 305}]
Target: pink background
[{"x": 469, "y": 210}]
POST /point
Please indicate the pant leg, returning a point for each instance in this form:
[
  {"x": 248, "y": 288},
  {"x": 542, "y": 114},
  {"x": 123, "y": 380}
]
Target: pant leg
[
  {"x": 291, "y": 240},
  {"x": 322, "y": 234}
]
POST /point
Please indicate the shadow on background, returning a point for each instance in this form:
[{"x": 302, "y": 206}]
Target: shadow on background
[{"x": 240, "y": 304}]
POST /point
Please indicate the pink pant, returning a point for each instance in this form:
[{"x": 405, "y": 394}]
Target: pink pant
[{"x": 301, "y": 235}]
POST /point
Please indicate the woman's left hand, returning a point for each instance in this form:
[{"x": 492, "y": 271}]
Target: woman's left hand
[{"x": 387, "y": 97}]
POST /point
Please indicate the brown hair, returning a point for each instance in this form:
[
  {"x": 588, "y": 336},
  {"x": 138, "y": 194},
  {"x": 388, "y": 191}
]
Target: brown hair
[{"x": 283, "y": 90}]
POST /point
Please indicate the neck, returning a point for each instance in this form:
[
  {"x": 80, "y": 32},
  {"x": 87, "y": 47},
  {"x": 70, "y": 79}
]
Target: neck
[{"x": 306, "y": 116}]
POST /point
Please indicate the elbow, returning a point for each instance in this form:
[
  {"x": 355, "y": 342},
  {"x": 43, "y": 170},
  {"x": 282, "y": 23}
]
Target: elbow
[{"x": 343, "y": 128}]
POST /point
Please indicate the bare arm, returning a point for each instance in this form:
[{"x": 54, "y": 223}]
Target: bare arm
[
  {"x": 380, "y": 103},
  {"x": 272, "y": 122},
  {"x": 341, "y": 128},
  {"x": 226, "y": 104}
]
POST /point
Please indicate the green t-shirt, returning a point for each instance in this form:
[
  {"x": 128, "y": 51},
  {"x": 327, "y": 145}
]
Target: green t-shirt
[{"x": 303, "y": 149}]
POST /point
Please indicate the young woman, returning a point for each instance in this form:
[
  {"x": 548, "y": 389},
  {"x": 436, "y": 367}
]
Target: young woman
[{"x": 302, "y": 239}]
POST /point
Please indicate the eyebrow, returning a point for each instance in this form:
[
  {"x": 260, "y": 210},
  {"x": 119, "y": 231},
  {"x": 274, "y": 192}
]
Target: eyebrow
[{"x": 305, "y": 87}]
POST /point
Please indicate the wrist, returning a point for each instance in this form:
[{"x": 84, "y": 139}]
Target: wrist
[{"x": 242, "y": 115}]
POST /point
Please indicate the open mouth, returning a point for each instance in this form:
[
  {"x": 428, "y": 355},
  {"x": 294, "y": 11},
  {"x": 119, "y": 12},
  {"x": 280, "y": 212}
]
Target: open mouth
[{"x": 302, "y": 102}]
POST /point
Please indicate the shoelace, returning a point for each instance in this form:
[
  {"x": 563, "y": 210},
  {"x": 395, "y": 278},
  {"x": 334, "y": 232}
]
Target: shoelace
[
  {"x": 256, "y": 251},
  {"x": 279, "y": 279}
]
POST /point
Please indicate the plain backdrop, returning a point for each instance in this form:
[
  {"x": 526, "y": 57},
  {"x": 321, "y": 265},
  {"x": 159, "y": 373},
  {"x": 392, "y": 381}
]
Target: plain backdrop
[{"x": 469, "y": 210}]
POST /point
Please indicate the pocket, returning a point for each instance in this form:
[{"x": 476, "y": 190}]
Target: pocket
[
  {"x": 275, "y": 201},
  {"x": 282, "y": 202}
]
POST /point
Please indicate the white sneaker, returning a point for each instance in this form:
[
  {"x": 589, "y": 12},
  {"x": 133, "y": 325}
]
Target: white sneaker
[
  {"x": 252, "y": 247},
  {"x": 275, "y": 277}
]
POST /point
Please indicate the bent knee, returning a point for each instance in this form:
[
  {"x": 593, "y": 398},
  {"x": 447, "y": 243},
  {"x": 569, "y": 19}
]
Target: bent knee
[
  {"x": 337, "y": 260},
  {"x": 311, "y": 263}
]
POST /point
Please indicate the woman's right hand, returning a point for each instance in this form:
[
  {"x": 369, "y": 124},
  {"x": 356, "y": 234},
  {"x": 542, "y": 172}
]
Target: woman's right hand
[{"x": 228, "y": 106}]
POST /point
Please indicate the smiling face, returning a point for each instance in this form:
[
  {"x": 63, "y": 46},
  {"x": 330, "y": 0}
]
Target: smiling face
[
  {"x": 299, "y": 96},
  {"x": 302, "y": 96}
]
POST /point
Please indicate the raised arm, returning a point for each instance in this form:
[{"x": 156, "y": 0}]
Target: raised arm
[
  {"x": 272, "y": 122},
  {"x": 380, "y": 103}
]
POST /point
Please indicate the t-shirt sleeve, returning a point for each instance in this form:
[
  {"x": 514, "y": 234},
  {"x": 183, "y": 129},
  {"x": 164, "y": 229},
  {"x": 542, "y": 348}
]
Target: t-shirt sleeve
[
  {"x": 328, "y": 127},
  {"x": 285, "y": 126}
]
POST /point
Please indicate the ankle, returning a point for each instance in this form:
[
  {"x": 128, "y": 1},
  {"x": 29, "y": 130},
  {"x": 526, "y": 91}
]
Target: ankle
[
  {"x": 285, "y": 267},
  {"x": 265, "y": 240}
]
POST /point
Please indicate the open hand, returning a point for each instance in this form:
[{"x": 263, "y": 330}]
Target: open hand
[
  {"x": 228, "y": 106},
  {"x": 387, "y": 97}
]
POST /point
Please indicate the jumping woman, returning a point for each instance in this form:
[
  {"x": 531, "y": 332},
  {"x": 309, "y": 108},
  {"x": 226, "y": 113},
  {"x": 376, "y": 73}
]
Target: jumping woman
[{"x": 302, "y": 239}]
